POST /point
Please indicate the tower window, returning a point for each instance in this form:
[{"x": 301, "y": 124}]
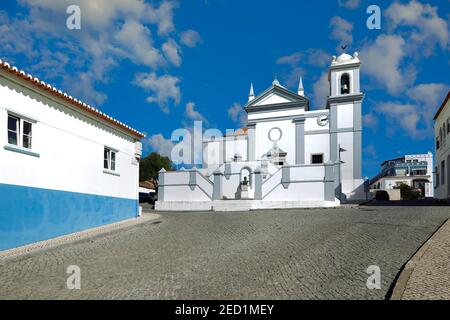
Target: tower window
[{"x": 345, "y": 83}]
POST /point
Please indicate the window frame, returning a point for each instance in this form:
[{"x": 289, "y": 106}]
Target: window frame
[
  {"x": 110, "y": 159},
  {"x": 16, "y": 132},
  {"x": 317, "y": 154},
  {"x": 20, "y": 133}
]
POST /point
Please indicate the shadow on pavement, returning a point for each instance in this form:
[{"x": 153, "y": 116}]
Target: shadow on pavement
[{"x": 407, "y": 203}]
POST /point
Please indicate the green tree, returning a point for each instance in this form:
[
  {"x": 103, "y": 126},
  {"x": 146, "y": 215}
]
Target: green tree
[
  {"x": 151, "y": 164},
  {"x": 407, "y": 192}
]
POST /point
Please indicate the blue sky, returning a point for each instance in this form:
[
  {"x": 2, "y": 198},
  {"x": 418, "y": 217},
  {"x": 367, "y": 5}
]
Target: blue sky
[{"x": 159, "y": 65}]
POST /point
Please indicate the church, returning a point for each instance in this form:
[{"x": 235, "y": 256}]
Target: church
[{"x": 288, "y": 156}]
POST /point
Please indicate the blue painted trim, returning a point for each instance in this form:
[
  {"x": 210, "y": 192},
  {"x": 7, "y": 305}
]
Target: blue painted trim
[
  {"x": 13, "y": 148},
  {"x": 31, "y": 214}
]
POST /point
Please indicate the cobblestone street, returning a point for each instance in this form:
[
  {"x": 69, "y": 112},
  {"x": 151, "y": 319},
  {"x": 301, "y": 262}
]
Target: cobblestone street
[
  {"x": 430, "y": 278},
  {"x": 279, "y": 254}
]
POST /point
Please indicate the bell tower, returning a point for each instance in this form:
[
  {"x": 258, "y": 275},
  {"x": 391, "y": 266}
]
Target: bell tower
[
  {"x": 344, "y": 75},
  {"x": 344, "y": 103}
]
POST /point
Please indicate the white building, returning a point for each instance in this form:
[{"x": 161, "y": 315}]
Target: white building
[
  {"x": 64, "y": 166},
  {"x": 414, "y": 170},
  {"x": 288, "y": 156},
  {"x": 442, "y": 136}
]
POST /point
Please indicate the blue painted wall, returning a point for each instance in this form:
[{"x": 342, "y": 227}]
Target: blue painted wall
[{"x": 32, "y": 214}]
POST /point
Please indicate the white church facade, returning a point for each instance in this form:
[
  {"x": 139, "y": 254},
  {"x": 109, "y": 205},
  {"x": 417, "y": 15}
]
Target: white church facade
[{"x": 288, "y": 156}]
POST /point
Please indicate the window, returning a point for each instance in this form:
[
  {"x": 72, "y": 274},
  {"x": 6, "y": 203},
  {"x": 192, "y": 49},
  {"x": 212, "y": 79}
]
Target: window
[
  {"x": 13, "y": 130},
  {"x": 345, "y": 83},
  {"x": 109, "y": 159},
  {"x": 448, "y": 125},
  {"x": 316, "y": 158},
  {"x": 442, "y": 172},
  {"x": 26, "y": 135},
  {"x": 19, "y": 132}
]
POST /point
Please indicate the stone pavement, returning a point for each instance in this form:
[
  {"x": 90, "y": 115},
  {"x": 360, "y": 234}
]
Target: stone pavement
[
  {"x": 274, "y": 254},
  {"x": 427, "y": 274},
  {"x": 65, "y": 239}
]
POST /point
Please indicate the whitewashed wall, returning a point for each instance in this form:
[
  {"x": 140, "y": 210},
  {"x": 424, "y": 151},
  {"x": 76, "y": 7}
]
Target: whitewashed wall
[
  {"x": 286, "y": 143},
  {"x": 176, "y": 187},
  {"x": 70, "y": 147},
  {"x": 443, "y": 154},
  {"x": 235, "y": 145}
]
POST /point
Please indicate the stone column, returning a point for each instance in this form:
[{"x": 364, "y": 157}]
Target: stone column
[
  {"x": 217, "y": 187},
  {"x": 161, "y": 177},
  {"x": 285, "y": 176},
  {"x": 299, "y": 140},
  {"x": 251, "y": 142},
  {"x": 357, "y": 141},
  {"x": 329, "y": 193},
  {"x": 258, "y": 183},
  {"x": 192, "y": 178}
]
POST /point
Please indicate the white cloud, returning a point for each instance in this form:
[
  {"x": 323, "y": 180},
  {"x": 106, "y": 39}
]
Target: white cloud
[
  {"x": 291, "y": 60},
  {"x": 428, "y": 96},
  {"x": 293, "y": 78},
  {"x": 311, "y": 57},
  {"x": 82, "y": 84},
  {"x": 238, "y": 114},
  {"x": 172, "y": 52},
  {"x": 370, "y": 120},
  {"x": 165, "y": 88},
  {"x": 383, "y": 62},
  {"x": 321, "y": 90},
  {"x": 416, "y": 117},
  {"x": 402, "y": 116},
  {"x": 163, "y": 16},
  {"x": 111, "y": 31},
  {"x": 100, "y": 14},
  {"x": 342, "y": 30},
  {"x": 428, "y": 29},
  {"x": 135, "y": 40},
  {"x": 318, "y": 57},
  {"x": 193, "y": 114},
  {"x": 349, "y": 4},
  {"x": 159, "y": 144},
  {"x": 190, "y": 38}
]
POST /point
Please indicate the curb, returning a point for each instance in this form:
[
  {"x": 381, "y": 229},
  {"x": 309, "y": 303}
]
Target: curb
[
  {"x": 405, "y": 273},
  {"x": 76, "y": 236}
]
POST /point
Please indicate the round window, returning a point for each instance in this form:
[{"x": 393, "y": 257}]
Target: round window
[{"x": 275, "y": 134}]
